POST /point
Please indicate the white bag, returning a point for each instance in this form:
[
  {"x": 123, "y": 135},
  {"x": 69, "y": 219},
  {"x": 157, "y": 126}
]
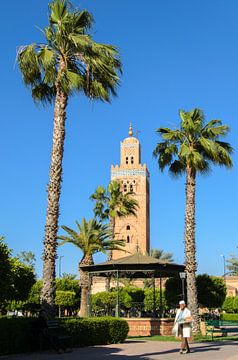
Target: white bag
[{"x": 175, "y": 329}]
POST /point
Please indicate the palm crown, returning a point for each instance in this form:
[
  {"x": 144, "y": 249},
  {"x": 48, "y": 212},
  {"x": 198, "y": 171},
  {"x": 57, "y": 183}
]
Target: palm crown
[
  {"x": 113, "y": 202},
  {"x": 194, "y": 145},
  {"x": 91, "y": 237},
  {"x": 69, "y": 59}
]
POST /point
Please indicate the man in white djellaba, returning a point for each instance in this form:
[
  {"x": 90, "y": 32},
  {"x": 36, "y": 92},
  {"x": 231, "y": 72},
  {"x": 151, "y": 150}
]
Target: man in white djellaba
[{"x": 183, "y": 326}]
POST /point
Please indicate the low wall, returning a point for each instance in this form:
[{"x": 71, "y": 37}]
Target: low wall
[{"x": 149, "y": 326}]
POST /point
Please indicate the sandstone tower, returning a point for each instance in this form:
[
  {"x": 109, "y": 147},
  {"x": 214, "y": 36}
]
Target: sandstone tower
[{"x": 133, "y": 176}]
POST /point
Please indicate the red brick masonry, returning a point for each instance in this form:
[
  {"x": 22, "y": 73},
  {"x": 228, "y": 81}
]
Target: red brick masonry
[{"x": 149, "y": 326}]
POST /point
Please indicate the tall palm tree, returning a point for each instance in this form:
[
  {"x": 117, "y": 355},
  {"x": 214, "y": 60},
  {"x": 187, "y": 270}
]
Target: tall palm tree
[
  {"x": 68, "y": 62},
  {"x": 113, "y": 203},
  {"x": 191, "y": 149},
  {"x": 91, "y": 237},
  {"x": 161, "y": 255}
]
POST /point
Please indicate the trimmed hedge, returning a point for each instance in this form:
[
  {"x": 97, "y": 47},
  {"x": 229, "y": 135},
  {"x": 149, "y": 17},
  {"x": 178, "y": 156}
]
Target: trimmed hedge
[
  {"x": 229, "y": 316},
  {"x": 96, "y": 331},
  {"x": 18, "y": 335}
]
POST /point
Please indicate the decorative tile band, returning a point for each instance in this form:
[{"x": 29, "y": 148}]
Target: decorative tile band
[
  {"x": 129, "y": 145},
  {"x": 128, "y": 173}
]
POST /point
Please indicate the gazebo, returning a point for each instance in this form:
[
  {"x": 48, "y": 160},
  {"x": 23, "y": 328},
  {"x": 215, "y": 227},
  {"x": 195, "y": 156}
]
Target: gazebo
[{"x": 136, "y": 266}]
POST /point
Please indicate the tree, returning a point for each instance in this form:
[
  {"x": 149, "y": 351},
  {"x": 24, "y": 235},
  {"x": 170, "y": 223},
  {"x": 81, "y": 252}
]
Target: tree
[
  {"x": 66, "y": 299},
  {"x": 22, "y": 279},
  {"x": 161, "y": 255},
  {"x": 230, "y": 304},
  {"x": 91, "y": 237},
  {"x": 191, "y": 150},
  {"x": 113, "y": 203},
  {"x": 233, "y": 265},
  {"x": 33, "y": 303},
  {"x": 27, "y": 257},
  {"x": 104, "y": 302},
  {"x": 68, "y": 62},
  {"x": 211, "y": 291},
  {"x": 5, "y": 270},
  {"x": 173, "y": 291},
  {"x": 153, "y": 302}
]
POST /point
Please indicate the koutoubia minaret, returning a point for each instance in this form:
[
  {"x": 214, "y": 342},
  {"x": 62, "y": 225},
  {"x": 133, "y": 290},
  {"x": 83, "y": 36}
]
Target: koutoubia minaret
[{"x": 133, "y": 177}]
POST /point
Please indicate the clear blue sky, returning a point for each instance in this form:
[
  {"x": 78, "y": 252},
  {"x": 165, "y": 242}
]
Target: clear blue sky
[{"x": 176, "y": 54}]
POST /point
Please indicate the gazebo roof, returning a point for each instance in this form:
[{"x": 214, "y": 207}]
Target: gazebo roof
[{"x": 136, "y": 266}]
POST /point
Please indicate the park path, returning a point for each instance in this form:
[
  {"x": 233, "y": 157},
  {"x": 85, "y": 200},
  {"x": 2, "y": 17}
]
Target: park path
[{"x": 141, "y": 350}]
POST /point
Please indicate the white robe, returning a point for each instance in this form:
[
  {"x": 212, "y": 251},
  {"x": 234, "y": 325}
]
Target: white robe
[{"x": 187, "y": 327}]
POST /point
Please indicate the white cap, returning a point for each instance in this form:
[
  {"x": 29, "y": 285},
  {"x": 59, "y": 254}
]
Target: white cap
[{"x": 182, "y": 302}]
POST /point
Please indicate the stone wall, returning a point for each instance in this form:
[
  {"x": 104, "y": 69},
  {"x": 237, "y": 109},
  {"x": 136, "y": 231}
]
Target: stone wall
[{"x": 149, "y": 326}]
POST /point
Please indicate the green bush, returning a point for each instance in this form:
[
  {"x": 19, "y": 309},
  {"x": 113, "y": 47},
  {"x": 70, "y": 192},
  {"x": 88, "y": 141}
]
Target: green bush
[
  {"x": 19, "y": 335},
  {"x": 103, "y": 330},
  {"x": 229, "y": 316},
  {"x": 230, "y": 304}
]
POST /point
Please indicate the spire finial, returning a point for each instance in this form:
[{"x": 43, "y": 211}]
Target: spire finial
[{"x": 130, "y": 130}]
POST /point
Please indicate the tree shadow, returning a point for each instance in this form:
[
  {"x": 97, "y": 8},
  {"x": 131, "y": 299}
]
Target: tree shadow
[{"x": 113, "y": 352}]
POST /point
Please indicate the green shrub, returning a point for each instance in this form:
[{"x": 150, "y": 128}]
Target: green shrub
[
  {"x": 230, "y": 304},
  {"x": 19, "y": 335},
  {"x": 103, "y": 330},
  {"x": 229, "y": 316}
]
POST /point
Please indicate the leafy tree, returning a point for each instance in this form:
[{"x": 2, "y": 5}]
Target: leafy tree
[
  {"x": 191, "y": 150},
  {"x": 136, "y": 294},
  {"x": 21, "y": 280},
  {"x": 233, "y": 264},
  {"x": 67, "y": 283},
  {"x": 153, "y": 302},
  {"x": 228, "y": 304},
  {"x": 104, "y": 302},
  {"x": 91, "y": 237},
  {"x": 28, "y": 258},
  {"x": 68, "y": 62},
  {"x": 161, "y": 255},
  {"x": 33, "y": 303},
  {"x": 65, "y": 298},
  {"x": 5, "y": 270},
  {"x": 173, "y": 291},
  {"x": 211, "y": 291}
]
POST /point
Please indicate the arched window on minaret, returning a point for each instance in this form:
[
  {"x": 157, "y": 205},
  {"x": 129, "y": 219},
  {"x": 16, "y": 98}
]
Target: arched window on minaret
[
  {"x": 132, "y": 159},
  {"x": 127, "y": 160},
  {"x": 128, "y": 239},
  {"x": 128, "y": 227},
  {"x": 125, "y": 188},
  {"x": 131, "y": 188}
]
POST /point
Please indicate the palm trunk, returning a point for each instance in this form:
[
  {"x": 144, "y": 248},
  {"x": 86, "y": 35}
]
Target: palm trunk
[
  {"x": 190, "y": 247},
  {"x": 84, "y": 283},
  {"x": 54, "y": 187},
  {"x": 109, "y": 258}
]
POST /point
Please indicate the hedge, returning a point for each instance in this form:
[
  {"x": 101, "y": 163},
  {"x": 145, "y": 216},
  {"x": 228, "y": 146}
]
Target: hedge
[
  {"x": 19, "y": 335},
  {"x": 229, "y": 316}
]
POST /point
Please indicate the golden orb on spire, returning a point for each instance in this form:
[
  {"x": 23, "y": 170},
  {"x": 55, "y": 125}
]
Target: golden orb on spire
[{"x": 130, "y": 130}]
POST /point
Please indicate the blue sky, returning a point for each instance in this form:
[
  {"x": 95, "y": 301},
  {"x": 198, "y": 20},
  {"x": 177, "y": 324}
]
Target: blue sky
[{"x": 176, "y": 54}]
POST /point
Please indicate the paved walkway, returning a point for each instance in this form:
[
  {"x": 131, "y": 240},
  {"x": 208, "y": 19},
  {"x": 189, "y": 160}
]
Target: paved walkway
[{"x": 141, "y": 350}]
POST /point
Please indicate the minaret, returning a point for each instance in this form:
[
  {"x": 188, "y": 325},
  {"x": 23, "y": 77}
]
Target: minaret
[{"x": 133, "y": 177}]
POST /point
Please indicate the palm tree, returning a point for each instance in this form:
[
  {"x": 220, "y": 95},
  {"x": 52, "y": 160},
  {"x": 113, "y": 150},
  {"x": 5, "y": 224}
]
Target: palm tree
[
  {"x": 161, "y": 255},
  {"x": 68, "y": 62},
  {"x": 191, "y": 149},
  {"x": 112, "y": 204},
  {"x": 91, "y": 237},
  {"x": 232, "y": 265}
]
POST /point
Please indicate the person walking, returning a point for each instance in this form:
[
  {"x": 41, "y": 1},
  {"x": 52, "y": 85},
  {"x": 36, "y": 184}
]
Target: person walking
[{"x": 183, "y": 326}]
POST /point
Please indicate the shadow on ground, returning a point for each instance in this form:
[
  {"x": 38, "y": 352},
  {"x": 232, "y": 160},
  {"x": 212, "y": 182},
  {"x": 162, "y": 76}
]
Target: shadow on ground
[{"x": 115, "y": 353}]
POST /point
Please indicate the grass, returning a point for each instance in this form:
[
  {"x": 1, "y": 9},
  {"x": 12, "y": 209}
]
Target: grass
[
  {"x": 197, "y": 338},
  {"x": 154, "y": 338}
]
